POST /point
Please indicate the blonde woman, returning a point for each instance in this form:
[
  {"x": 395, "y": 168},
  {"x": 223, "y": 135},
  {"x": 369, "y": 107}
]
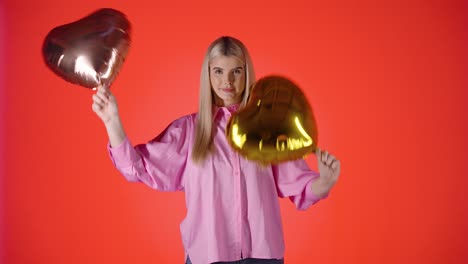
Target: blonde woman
[{"x": 233, "y": 213}]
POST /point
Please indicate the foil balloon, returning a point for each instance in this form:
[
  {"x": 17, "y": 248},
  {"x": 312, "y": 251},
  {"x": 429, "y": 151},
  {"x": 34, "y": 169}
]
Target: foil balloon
[
  {"x": 90, "y": 51},
  {"x": 276, "y": 125}
]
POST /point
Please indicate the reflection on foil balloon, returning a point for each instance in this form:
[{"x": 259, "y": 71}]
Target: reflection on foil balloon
[
  {"x": 89, "y": 52},
  {"x": 276, "y": 125}
]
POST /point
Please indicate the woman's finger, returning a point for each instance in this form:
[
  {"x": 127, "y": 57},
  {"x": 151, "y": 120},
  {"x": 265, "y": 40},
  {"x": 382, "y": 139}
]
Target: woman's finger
[
  {"x": 318, "y": 153},
  {"x": 98, "y": 99},
  {"x": 336, "y": 164},
  {"x": 105, "y": 98},
  {"x": 103, "y": 91},
  {"x": 330, "y": 160},
  {"x": 96, "y": 107},
  {"x": 324, "y": 156}
]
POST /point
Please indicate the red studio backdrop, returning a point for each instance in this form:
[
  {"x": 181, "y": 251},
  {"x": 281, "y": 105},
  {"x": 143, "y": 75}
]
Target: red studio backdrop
[{"x": 387, "y": 81}]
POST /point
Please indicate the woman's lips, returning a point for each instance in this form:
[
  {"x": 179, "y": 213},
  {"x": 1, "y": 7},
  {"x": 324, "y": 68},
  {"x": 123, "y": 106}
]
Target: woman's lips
[{"x": 228, "y": 90}]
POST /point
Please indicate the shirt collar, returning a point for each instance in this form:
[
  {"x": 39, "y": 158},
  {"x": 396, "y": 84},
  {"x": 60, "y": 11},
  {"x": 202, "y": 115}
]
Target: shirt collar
[{"x": 217, "y": 110}]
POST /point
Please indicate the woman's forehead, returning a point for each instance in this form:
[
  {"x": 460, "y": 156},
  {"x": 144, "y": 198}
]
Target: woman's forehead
[{"x": 226, "y": 61}]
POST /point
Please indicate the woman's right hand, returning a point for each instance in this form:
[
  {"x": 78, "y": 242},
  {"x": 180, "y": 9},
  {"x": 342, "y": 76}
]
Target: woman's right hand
[{"x": 105, "y": 105}]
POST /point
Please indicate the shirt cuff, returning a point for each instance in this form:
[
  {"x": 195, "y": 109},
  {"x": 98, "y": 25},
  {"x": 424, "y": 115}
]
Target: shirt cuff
[
  {"x": 123, "y": 155},
  {"x": 309, "y": 197}
]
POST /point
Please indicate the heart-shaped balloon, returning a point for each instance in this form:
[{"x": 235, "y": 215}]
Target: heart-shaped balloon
[
  {"x": 89, "y": 52},
  {"x": 276, "y": 125}
]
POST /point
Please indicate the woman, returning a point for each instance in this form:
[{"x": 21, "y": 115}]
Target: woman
[{"x": 233, "y": 214}]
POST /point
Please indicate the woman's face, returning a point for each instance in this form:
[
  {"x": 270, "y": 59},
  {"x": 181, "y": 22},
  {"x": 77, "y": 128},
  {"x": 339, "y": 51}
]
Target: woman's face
[{"x": 227, "y": 77}]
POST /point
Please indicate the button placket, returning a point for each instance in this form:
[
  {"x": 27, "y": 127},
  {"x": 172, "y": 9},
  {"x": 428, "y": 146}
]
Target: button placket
[{"x": 236, "y": 159}]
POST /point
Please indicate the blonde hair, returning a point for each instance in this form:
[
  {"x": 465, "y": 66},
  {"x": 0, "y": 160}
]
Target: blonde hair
[{"x": 226, "y": 46}]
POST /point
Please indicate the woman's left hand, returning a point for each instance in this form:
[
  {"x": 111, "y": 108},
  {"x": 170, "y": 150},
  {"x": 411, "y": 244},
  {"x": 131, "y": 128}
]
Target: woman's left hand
[{"x": 329, "y": 169}]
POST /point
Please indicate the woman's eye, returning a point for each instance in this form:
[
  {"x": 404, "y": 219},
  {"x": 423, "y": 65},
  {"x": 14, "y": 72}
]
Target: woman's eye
[
  {"x": 218, "y": 72},
  {"x": 237, "y": 71}
]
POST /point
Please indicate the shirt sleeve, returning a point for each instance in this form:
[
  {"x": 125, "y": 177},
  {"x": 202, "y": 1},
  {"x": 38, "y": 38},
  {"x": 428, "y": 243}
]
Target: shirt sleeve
[
  {"x": 160, "y": 163},
  {"x": 294, "y": 180}
]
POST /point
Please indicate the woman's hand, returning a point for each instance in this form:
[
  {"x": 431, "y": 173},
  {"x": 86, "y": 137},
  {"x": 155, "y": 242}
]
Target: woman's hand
[
  {"x": 329, "y": 169},
  {"x": 105, "y": 105}
]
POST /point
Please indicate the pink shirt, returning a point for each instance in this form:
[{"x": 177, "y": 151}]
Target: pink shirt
[{"x": 232, "y": 204}]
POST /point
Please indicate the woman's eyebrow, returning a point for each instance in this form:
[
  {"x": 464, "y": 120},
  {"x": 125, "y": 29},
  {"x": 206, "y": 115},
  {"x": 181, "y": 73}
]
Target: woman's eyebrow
[{"x": 220, "y": 68}]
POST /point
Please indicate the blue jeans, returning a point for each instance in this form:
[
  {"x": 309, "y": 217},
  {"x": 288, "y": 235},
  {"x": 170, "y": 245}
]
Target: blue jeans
[{"x": 247, "y": 261}]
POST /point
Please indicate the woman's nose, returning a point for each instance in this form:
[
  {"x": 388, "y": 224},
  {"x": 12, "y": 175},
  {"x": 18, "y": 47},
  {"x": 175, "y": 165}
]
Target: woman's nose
[{"x": 228, "y": 78}]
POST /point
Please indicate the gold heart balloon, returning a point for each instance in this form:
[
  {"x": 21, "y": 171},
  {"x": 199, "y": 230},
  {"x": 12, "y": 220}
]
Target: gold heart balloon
[
  {"x": 89, "y": 52},
  {"x": 276, "y": 125}
]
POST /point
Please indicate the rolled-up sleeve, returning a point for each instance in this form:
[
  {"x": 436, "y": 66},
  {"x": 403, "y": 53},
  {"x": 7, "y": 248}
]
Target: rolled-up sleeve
[
  {"x": 294, "y": 180},
  {"x": 160, "y": 163}
]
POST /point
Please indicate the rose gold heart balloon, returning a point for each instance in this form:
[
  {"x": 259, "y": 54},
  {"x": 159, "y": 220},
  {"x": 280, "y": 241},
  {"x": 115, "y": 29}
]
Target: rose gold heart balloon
[
  {"x": 276, "y": 125},
  {"x": 89, "y": 52}
]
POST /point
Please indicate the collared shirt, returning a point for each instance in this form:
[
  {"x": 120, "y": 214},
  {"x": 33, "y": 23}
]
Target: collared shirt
[{"x": 232, "y": 203}]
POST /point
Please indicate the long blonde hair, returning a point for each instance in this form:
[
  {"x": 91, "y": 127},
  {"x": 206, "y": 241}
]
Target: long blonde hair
[{"x": 227, "y": 46}]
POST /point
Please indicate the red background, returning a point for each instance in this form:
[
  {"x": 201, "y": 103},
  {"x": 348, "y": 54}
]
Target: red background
[{"x": 387, "y": 81}]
